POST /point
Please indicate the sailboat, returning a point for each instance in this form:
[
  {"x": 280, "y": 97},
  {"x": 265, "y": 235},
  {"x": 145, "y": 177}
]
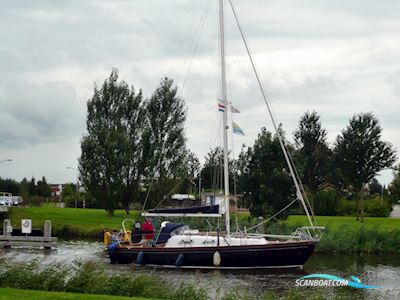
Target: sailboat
[{"x": 176, "y": 245}]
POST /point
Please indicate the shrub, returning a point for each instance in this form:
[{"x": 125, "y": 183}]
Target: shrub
[
  {"x": 377, "y": 207},
  {"x": 325, "y": 202},
  {"x": 346, "y": 207}
]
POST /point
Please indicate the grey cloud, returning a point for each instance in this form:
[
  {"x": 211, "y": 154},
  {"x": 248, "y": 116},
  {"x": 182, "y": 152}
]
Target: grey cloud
[{"x": 34, "y": 113}]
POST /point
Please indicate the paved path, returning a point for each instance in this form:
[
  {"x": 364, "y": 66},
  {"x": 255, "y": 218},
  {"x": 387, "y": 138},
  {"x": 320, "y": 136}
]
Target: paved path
[{"x": 395, "y": 212}]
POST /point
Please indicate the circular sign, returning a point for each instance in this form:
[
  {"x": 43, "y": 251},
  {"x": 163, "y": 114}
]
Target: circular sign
[{"x": 26, "y": 224}]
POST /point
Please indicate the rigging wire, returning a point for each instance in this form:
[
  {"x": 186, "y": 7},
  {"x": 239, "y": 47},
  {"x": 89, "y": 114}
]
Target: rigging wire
[
  {"x": 267, "y": 100},
  {"x": 194, "y": 44}
]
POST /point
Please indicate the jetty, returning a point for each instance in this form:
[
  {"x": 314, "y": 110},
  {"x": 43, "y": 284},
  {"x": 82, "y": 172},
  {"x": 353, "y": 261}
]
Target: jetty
[{"x": 10, "y": 238}]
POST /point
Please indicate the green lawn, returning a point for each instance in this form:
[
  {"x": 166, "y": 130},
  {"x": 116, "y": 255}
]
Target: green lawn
[
  {"x": 77, "y": 221},
  {"x": 90, "y": 222},
  {"x": 334, "y": 222},
  {"x": 14, "y": 294}
]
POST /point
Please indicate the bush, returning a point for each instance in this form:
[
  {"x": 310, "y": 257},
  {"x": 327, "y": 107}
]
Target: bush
[
  {"x": 373, "y": 207},
  {"x": 377, "y": 207},
  {"x": 325, "y": 202},
  {"x": 346, "y": 207}
]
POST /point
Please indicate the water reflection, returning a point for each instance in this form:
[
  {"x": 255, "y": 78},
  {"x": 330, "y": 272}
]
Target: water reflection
[{"x": 382, "y": 270}]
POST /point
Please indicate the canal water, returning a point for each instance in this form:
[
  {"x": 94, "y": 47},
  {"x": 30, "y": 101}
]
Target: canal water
[{"x": 379, "y": 270}]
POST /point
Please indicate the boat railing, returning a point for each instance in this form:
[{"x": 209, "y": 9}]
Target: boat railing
[{"x": 307, "y": 233}]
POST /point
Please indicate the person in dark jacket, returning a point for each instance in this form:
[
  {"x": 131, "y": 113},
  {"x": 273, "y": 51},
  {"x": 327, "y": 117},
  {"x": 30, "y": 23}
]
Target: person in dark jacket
[{"x": 137, "y": 234}]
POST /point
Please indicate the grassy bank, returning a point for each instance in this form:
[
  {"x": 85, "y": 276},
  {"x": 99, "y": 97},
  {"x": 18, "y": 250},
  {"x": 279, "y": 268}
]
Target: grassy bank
[
  {"x": 29, "y": 280},
  {"x": 15, "y": 294},
  {"x": 70, "y": 221},
  {"x": 91, "y": 278}
]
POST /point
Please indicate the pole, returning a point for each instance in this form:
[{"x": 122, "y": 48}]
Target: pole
[{"x": 225, "y": 126}]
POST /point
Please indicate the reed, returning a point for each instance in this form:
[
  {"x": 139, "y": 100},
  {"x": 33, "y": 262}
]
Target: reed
[{"x": 91, "y": 278}]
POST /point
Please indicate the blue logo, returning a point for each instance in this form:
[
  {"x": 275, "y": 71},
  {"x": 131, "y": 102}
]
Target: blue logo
[{"x": 331, "y": 281}]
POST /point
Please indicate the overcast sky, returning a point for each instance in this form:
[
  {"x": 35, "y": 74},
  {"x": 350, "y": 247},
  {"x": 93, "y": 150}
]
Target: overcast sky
[{"x": 336, "y": 57}]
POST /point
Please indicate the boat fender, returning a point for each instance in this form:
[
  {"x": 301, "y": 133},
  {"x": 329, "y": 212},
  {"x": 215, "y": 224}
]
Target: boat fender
[
  {"x": 113, "y": 246},
  {"x": 217, "y": 259},
  {"x": 179, "y": 260},
  {"x": 140, "y": 258}
]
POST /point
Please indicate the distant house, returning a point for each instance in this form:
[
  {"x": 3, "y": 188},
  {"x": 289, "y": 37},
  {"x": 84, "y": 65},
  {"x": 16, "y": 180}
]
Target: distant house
[
  {"x": 215, "y": 198},
  {"x": 56, "y": 189}
]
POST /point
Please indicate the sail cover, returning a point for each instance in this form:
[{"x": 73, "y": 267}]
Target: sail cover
[
  {"x": 208, "y": 209},
  {"x": 165, "y": 232}
]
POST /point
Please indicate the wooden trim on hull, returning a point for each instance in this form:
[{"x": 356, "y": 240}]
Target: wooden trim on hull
[{"x": 274, "y": 255}]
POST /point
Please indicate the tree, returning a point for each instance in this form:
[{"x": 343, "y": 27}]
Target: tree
[
  {"x": 361, "y": 153},
  {"x": 165, "y": 135},
  {"x": 104, "y": 146},
  {"x": 135, "y": 148},
  {"x": 263, "y": 176},
  {"x": 43, "y": 189},
  {"x": 375, "y": 187},
  {"x": 9, "y": 186},
  {"x": 394, "y": 186},
  {"x": 193, "y": 164},
  {"x": 212, "y": 173},
  {"x": 313, "y": 153}
]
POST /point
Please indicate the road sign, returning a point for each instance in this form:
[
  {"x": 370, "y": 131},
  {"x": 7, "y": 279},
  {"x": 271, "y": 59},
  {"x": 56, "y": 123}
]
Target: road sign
[{"x": 26, "y": 226}]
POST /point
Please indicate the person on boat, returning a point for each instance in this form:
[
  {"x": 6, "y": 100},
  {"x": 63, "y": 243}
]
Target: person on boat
[
  {"x": 148, "y": 230},
  {"x": 115, "y": 236},
  {"x": 137, "y": 233}
]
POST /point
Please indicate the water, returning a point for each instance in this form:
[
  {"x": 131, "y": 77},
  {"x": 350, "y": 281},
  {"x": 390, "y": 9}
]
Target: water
[{"x": 381, "y": 270}]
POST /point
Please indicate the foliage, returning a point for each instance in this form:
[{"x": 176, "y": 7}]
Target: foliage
[
  {"x": 10, "y": 186},
  {"x": 165, "y": 137},
  {"x": 193, "y": 164},
  {"x": 313, "y": 153},
  {"x": 360, "y": 152},
  {"x": 394, "y": 186},
  {"x": 263, "y": 177},
  {"x": 111, "y": 150},
  {"x": 325, "y": 202},
  {"x": 8, "y": 293},
  {"x": 377, "y": 207},
  {"x": 212, "y": 173},
  {"x": 346, "y": 207},
  {"x": 43, "y": 188},
  {"x": 91, "y": 278}
]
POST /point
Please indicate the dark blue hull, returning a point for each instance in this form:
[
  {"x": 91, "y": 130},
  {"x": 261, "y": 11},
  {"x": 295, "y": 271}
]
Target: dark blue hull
[{"x": 274, "y": 255}]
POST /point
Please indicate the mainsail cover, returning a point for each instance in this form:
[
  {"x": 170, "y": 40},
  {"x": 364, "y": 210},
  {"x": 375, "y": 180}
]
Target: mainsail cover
[{"x": 208, "y": 209}]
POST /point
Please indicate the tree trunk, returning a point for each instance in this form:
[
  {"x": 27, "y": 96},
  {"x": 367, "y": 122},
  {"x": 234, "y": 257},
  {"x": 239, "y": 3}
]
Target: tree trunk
[
  {"x": 362, "y": 203},
  {"x": 357, "y": 208}
]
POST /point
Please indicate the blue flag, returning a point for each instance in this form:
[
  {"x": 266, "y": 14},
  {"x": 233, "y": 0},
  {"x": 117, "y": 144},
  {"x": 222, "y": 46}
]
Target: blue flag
[{"x": 236, "y": 129}]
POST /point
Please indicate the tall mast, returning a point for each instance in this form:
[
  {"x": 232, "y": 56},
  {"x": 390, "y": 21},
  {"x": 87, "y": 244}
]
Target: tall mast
[{"x": 225, "y": 126}]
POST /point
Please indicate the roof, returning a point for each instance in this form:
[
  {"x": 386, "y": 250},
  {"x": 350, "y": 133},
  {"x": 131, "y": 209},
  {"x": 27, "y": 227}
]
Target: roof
[{"x": 182, "y": 197}]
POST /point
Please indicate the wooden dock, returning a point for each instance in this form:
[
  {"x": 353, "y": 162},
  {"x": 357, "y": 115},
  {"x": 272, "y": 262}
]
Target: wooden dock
[{"x": 46, "y": 241}]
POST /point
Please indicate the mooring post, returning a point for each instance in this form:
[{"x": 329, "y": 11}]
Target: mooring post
[
  {"x": 47, "y": 229},
  {"x": 260, "y": 225},
  {"x": 47, "y": 234},
  {"x": 7, "y": 227}
]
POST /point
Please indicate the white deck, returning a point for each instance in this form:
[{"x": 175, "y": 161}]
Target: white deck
[{"x": 186, "y": 240}]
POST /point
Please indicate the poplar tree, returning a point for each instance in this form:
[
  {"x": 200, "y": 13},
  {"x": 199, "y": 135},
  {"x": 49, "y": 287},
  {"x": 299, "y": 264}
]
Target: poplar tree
[{"x": 110, "y": 164}]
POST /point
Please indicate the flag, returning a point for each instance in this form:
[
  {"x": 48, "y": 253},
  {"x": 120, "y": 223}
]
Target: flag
[
  {"x": 234, "y": 110},
  {"x": 236, "y": 129},
  {"x": 221, "y": 105}
]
